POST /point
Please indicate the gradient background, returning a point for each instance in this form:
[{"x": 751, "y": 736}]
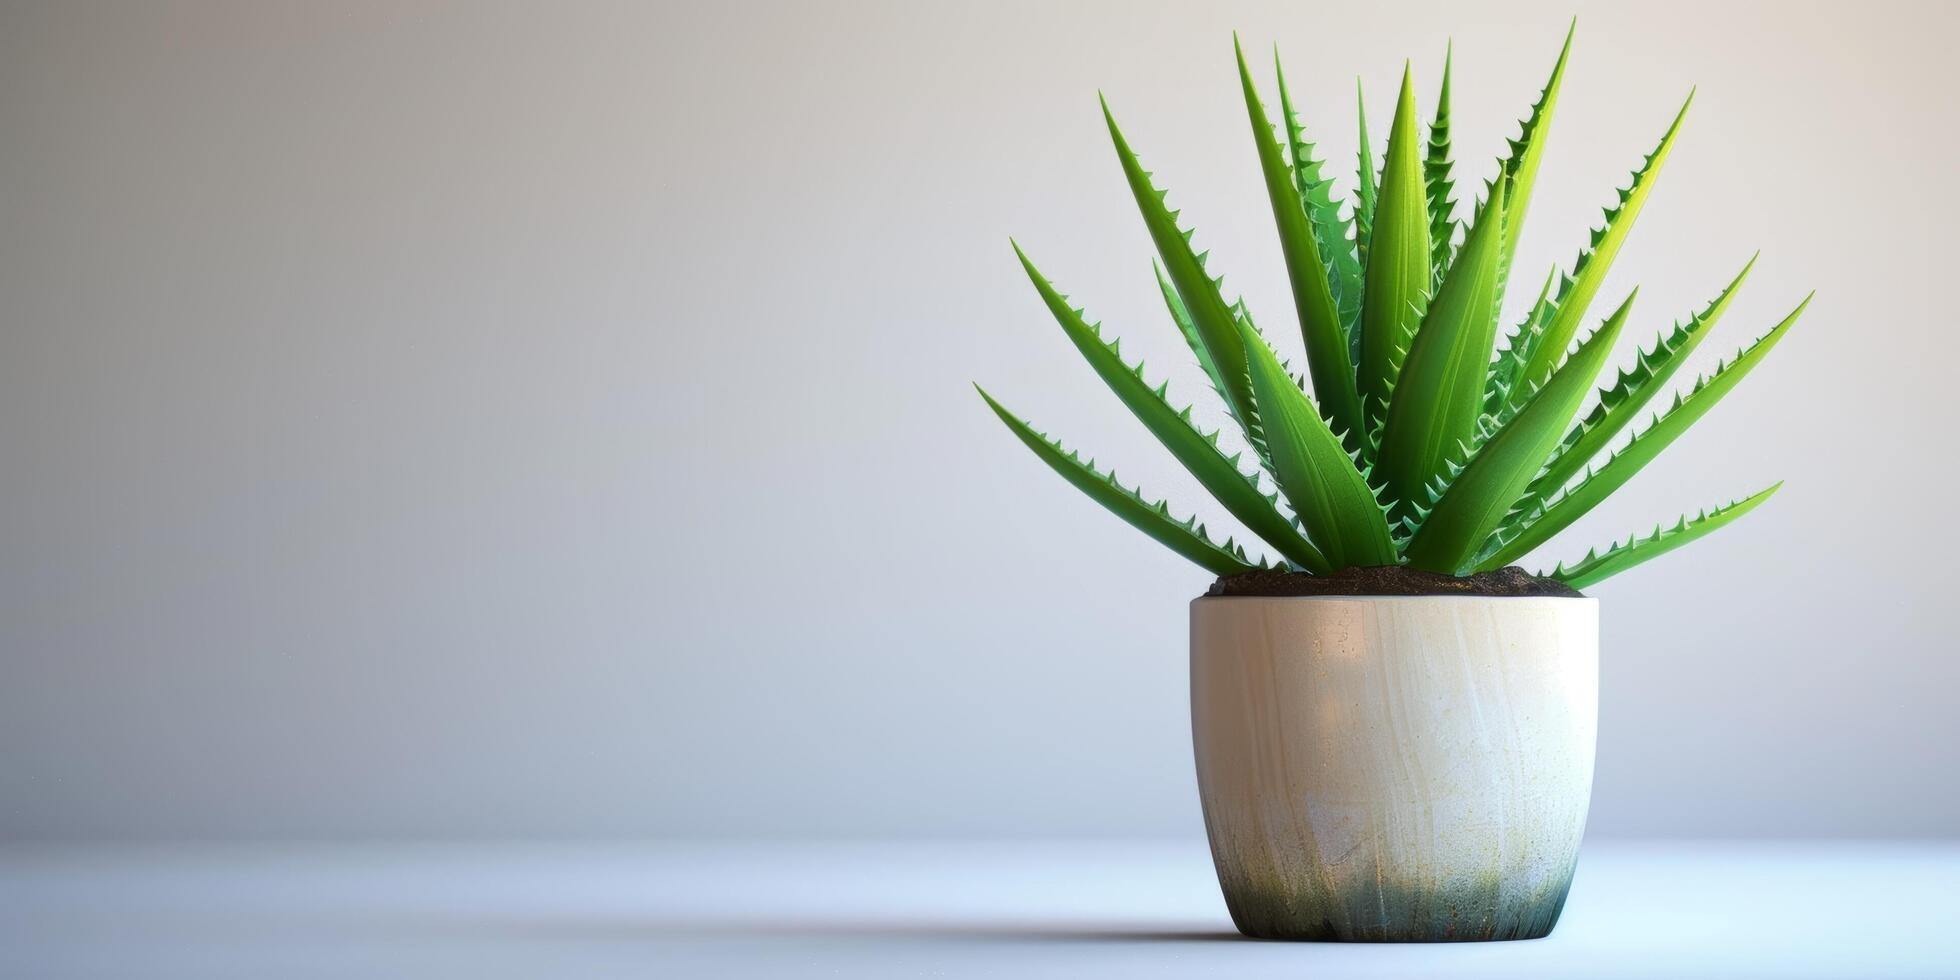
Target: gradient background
[{"x": 478, "y": 420}]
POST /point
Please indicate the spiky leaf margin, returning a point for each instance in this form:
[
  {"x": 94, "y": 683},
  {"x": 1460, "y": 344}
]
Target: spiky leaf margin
[
  {"x": 1186, "y": 537},
  {"x": 1202, "y": 294},
  {"x": 1596, "y": 567},
  {"x": 1182, "y": 317},
  {"x": 1436, "y": 178},
  {"x": 1440, "y": 393},
  {"x": 1398, "y": 274},
  {"x": 1524, "y": 154},
  {"x": 1320, "y": 320},
  {"x": 1366, "y": 182},
  {"x": 1510, "y": 360},
  {"x": 1197, "y": 450},
  {"x": 1335, "y": 233},
  {"x": 1538, "y": 527},
  {"x": 1478, "y": 499},
  {"x": 1326, "y": 483},
  {"x": 1620, "y": 403},
  {"x": 1541, "y": 348}
]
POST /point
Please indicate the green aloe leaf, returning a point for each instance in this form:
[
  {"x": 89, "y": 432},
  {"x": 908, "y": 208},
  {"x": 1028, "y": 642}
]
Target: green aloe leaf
[
  {"x": 1440, "y": 394},
  {"x": 1544, "y": 347},
  {"x": 1510, "y": 359},
  {"x": 1478, "y": 498},
  {"x": 1406, "y": 440},
  {"x": 1436, "y": 178},
  {"x": 1321, "y": 478},
  {"x": 1186, "y": 537},
  {"x": 1620, "y": 403},
  {"x": 1596, "y": 567},
  {"x": 1335, "y": 233},
  {"x": 1366, "y": 181},
  {"x": 1397, "y": 290},
  {"x": 1540, "y": 523},
  {"x": 1320, "y": 320},
  {"x": 1210, "y": 316},
  {"x": 1520, "y": 166},
  {"x": 1196, "y": 450},
  {"x": 1182, "y": 317}
]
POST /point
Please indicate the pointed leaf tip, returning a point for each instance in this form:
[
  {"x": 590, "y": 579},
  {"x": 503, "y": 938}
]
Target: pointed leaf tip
[
  {"x": 1600, "y": 565},
  {"x": 1106, "y": 489}
]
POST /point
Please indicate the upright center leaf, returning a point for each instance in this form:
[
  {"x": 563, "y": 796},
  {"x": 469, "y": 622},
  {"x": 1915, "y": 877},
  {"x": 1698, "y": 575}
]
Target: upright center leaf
[
  {"x": 1398, "y": 276},
  {"x": 1440, "y": 394}
]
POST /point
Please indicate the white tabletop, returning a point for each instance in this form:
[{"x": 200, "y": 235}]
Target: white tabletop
[{"x": 938, "y": 909}]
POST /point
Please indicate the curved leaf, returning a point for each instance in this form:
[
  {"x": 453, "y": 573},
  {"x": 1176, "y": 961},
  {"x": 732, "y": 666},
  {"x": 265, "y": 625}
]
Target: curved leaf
[
  {"x": 1196, "y": 450},
  {"x": 1182, "y": 317},
  {"x": 1335, "y": 233},
  {"x": 1510, "y": 360},
  {"x": 1187, "y": 537},
  {"x": 1321, "y": 478},
  {"x": 1595, "y": 568},
  {"x": 1538, "y": 527},
  {"x": 1210, "y": 316},
  {"x": 1479, "y": 497},
  {"x": 1320, "y": 319},
  {"x": 1520, "y": 165},
  {"x": 1575, "y": 294},
  {"x": 1621, "y": 402}
]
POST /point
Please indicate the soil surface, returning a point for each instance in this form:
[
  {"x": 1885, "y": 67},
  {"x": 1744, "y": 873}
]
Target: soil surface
[{"x": 1390, "y": 580}]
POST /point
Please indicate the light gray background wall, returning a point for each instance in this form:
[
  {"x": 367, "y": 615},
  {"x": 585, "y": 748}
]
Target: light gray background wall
[{"x": 469, "y": 419}]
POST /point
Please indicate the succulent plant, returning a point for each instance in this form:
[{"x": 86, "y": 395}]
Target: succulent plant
[{"x": 1424, "y": 442}]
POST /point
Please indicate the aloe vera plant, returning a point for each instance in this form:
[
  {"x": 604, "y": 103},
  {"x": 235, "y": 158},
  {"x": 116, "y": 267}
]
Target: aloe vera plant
[{"x": 1425, "y": 441}]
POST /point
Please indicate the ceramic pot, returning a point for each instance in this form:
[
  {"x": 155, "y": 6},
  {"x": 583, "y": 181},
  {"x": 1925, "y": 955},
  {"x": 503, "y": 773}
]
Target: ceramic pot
[{"x": 1395, "y": 769}]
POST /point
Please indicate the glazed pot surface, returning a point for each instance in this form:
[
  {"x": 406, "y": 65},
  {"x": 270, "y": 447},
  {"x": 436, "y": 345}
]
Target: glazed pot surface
[{"x": 1386, "y": 769}]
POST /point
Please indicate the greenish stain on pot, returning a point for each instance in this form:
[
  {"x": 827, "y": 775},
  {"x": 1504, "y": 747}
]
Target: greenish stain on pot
[{"x": 1370, "y": 912}]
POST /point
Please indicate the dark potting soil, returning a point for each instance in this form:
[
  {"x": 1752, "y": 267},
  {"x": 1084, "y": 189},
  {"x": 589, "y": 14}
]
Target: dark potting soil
[{"x": 1390, "y": 580}]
